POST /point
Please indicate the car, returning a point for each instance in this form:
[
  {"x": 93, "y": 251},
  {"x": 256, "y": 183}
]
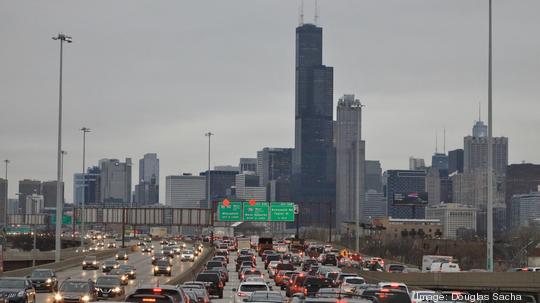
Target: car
[
  {"x": 211, "y": 264},
  {"x": 158, "y": 256},
  {"x": 307, "y": 264},
  {"x": 386, "y": 295},
  {"x": 245, "y": 289},
  {"x": 147, "y": 248},
  {"x": 295, "y": 260},
  {"x": 422, "y": 296},
  {"x": 100, "y": 245},
  {"x": 17, "y": 290},
  {"x": 282, "y": 276},
  {"x": 296, "y": 285},
  {"x": 201, "y": 294},
  {"x": 266, "y": 296},
  {"x": 162, "y": 267},
  {"x": 271, "y": 268},
  {"x": 395, "y": 268},
  {"x": 187, "y": 255},
  {"x": 312, "y": 284},
  {"x": 223, "y": 272},
  {"x": 342, "y": 276},
  {"x": 223, "y": 259},
  {"x": 111, "y": 245},
  {"x": 329, "y": 259},
  {"x": 214, "y": 284},
  {"x": 44, "y": 279},
  {"x": 349, "y": 284},
  {"x": 90, "y": 262},
  {"x": 76, "y": 291},
  {"x": 120, "y": 274},
  {"x": 244, "y": 258},
  {"x": 393, "y": 285},
  {"x": 158, "y": 294},
  {"x": 122, "y": 255},
  {"x": 93, "y": 249},
  {"x": 109, "y": 264},
  {"x": 129, "y": 270},
  {"x": 109, "y": 287},
  {"x": 251, "y": 272},
  {"x": 168, "y": 252},
  {"x": 270, "y": 258}
]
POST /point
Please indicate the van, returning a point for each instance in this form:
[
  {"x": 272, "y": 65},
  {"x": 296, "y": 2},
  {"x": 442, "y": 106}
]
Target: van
[{"x": 445, "y": 267}]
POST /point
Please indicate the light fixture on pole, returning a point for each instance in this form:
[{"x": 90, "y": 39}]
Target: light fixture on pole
[
  {"x": 84, "y": 131},
  {"x": 59, "y": 196},
  {"x": 489, "y": 242}
]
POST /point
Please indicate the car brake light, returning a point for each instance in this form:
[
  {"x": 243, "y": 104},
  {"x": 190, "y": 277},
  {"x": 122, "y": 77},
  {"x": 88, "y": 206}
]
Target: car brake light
[
  {"x": 241, "y": 294},
  {"x": 149, "y": 300},
  {"x": 394, "y": 285},
  {"x": 385, "y": 290},
  {"x": 156, "y": 290}
]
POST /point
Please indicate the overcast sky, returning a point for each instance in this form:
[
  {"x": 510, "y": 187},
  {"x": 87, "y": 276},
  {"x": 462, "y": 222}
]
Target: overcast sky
[{"x": 154, "y": 76}]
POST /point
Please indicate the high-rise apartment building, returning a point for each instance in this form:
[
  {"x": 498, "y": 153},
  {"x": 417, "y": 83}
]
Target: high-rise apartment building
[
  {"x": 405, "y": 182},
  {"x": 27, "y": 187},
  {"x": 475, "y": 154},
  {"x": 3, "y": 200},
  {"x": 185, "y": 191},
  {"x": 373, "y": 176},
  {"x": 350, "y": 158},
  {"x": 34, "y": 204},
  {"x": 416, "y": 163},
  {"x": 115, "y": 182},
  {"x": 147, "y": 191},
  {"x": 525, "y": 208},
  {"x": 453, "y": 217},
  {"x": 439, "y": 161},
  {"x": 48, "y": 190},
  {"x": 89, "y": 185},
  {"x": 374, "y": 206},
  {"x": 314, "y": 156}
]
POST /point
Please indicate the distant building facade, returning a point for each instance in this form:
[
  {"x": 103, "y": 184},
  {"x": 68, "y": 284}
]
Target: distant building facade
[
  {"x": 247, "y": 188},
  {"x": 27, "y": 187},
  {"x": 416, "y": 163},
  {"x": 274, "y": 164},
  {"x": 455, "y": 161},
  {"x": 373, "y": 176},
  {"x": 48, "y": 190},
  {"x": 453, "y": 217},
  {"x": 34, "y": 204},
  {"x": 248, "y": 165},
  {"x": 115, "y": 182},
  {"x": 520, "y": 179},
  {"x": 87, "y": 185},
  {"x": 374, "y": 205},
  {"x": 147, "y": 191},
  {"x": 3, "y": 200},
  {"x": 404, "y": 182},
  {"x": 185, "y": 191},
  {"x": 525, "y": 209}
]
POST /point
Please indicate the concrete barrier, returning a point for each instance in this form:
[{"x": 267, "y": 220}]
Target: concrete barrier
[
  {"x": 198, "y": 265},
  {"x": 65, "y": 264}
]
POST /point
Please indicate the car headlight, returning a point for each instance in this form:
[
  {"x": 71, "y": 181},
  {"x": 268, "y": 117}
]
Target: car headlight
[
  {"x": 104, "y": 266},
  {"x": 94, "y": 262},
  {"x": 117, "y": 256},
  {"x": 168, "y": 268},
  {"x": 132, "y": 272},
  {"x": 116, "y": 289},
  {"x": 85, "y": 298},
  {"x": 58, "y": 297},
  {"x": 49, "y": 280},
  {"x": 83, "y": 263},
  {"x": 123, "y": 277},
  {"x": 156, "y": 268},
  {"x": 21, "y": 293}
]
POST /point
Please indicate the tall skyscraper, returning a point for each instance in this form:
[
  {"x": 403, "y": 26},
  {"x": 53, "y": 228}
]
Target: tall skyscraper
[
  {"x": 350, "y": 158},
  {"x": 373, "y": 176},
  {"x": 27, "y": 187},
  {"x": 3, "y": 200},
  {"x": 521, "y": 179},
  {"x": 314, "y": 155},
  {"x": 115, "y": 182},
  {"x": 247, "y": 188},
  {"x": 475, "y": 154},
  {"x": 147, "y": 191},
  {"x": 274, "y": 164},
  {"x": 416, "y": 163},
  {"x": 405, "y": 182},
  {"x": 439, "y": 161},
  {"x": 480, "y": 130},
  {"x": 48, "y": 190},
  {"x": 375, "y": 205},
  {"x": 185, "y": 191},
  {"x": 455, "y": 161},
  {"x": 91, "y": 181}
]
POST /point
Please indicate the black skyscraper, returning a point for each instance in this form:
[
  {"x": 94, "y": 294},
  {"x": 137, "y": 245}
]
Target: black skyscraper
[{"x": 314, "y": 156}]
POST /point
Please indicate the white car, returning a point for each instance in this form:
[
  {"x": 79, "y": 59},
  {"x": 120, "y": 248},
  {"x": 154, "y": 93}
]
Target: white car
[
  {"x": 187, "y": 255},
  {"x": 272, "y": 268},
  {"x": 394, "y": 285},
  {"x": 350, "y": 283},
  {"x": 246, "y": 288}
]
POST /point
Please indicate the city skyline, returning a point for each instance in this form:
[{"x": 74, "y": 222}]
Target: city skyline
[{"x": 271, "y": 120}]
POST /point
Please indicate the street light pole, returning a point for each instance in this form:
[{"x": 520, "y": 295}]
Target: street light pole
[
  {"x": 489, "y": 241},
  {"x": 59, "y": 196},
  {"x": 84, "y": 131},
  {"x": 208, "y": 200},
  {"x": 6, "y": 196}
]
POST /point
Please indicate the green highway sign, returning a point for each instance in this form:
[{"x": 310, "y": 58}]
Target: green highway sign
[
  {"x": 257, "y": 212},
  {"x": 66, "y": 220},
  {"x": 282, "y": 212},
  {"x": 230, "y": 212}
]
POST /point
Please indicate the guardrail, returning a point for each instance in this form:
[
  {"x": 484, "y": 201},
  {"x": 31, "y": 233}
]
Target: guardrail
[
  {"x": 64, "y": 264},
  {"x": 191, "y": 273}
]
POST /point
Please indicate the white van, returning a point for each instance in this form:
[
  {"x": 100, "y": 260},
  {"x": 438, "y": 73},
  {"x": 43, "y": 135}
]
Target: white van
[{"x": 444, "y": 267}]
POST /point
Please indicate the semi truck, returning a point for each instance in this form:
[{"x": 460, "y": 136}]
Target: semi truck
[
  {"x": 243, "y": 243},
  {"x": 264, "y": 244}
]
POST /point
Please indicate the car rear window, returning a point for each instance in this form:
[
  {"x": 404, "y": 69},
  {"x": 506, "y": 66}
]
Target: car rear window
[
  {"x": 214, "y": 264},
  {"x": 333, "y": 275},
  {"x": 287, "y": 266},
  {"x": 390, "y": 297},
  {"x": 207, "y": 277},
  {"x": 253, "y": 287},
  {"x": 273, "y": 257}
]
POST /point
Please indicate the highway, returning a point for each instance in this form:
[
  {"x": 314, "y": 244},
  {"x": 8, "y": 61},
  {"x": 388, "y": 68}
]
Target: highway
[{"x": 142, "y": 263}]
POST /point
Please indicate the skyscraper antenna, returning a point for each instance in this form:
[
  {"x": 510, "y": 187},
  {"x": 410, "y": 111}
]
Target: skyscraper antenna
[
  {"x": 316, "y": 12},
  {"x": 479, "y": 111},
  {"x": 444, "y": 141},
  {"x": 436, "y": 142},
  {"x": 301, "y": 14}
]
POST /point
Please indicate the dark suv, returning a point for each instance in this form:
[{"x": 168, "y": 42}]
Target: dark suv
[
  {"x": 214, "y": 285},
  {"x": 17, "y": 290},
  {"x": 90, "y": 262},
  {"x": 162, "y": 267},
  {"x": 76, "y": 291},
  {"x": 109, "y": 287},
  {"x": 307, "y": 264},
  {"x": 122, "y": 255},
  {"x": 44, "y": 279},
  {"x": 329, "y": 259}
]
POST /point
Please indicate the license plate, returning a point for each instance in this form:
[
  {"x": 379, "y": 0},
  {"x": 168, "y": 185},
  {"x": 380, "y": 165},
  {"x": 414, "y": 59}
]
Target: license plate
[{"x": 105, "y": 295}]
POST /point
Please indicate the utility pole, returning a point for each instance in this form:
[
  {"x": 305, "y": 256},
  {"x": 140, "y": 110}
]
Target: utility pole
[
  {"x": 82, "y": 229},
  {"x": 208, "y": 199},
  {"x": 59, "y": 196},
  {"x": 489, "y": 254},
  {"x": 6, "y": 196}
]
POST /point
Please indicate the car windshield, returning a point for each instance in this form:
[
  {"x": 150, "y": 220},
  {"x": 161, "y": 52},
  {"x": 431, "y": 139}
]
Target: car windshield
[
  {"x": 12, "y": 283},
  {"x": 71, "y": 286},
  {"x": 127, "y": 267},
  {"x": 188, "y": 251},
  {"x": 355, "y": 280},
  {"x": 162, "y": 263},
  {"x": 108, "y": 281},
  {"x": 253, "y": 287},
  {"x": 41, "y": 274},
  {"x": 332, "y": 275},
  {"x": 90, "y": 259},
  {"x": 110, "y": 263}
]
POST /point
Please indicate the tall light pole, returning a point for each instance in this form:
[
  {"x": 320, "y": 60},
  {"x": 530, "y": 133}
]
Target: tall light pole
[
  {"x": 59, "y": 201},
  {"x": 62, "y": 164},
  {"x": 84, "y": 130},
  {"x": 208, "y": 200},
  {"x": 489, "y": 254},
  {"x": 6, "y": 196}
]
